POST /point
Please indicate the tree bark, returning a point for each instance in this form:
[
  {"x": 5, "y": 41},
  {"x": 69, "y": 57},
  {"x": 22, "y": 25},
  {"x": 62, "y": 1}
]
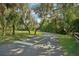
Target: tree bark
[
  {"x": 3, "y": 31},
  {"x": 27, "y": 28},
  {"x": 29, "y": 31},
  {"x": 35, "y": 31},
  {"x": 39, "y": 26},
  {"x": 13, "y": 29}
]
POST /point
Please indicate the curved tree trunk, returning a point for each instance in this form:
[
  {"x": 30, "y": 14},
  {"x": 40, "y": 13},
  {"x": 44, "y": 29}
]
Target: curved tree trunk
[
  {"x": 35, "y": 31},
  {"x": 39, "y": 26},
  {"x": 27, "y": 28}
]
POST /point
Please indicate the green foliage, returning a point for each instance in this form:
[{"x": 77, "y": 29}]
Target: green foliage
[
  {"x": 43, "y": 27},
  {"x": 75, "y": 25},
  {"x": 50, "y": 27}
]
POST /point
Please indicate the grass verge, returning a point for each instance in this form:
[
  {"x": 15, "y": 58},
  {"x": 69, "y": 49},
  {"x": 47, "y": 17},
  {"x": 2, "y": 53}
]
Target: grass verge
[
  {"x": 18, "y": 35},
  {"x": 69, "y": 44}
]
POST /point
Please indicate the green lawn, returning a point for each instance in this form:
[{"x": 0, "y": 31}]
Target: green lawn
[
  {"x": 69, "y": 44},
  {"x": 18, "y": 35}
]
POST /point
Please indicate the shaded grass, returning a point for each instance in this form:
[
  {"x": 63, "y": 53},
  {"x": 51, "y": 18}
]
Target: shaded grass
[
  {"x": 18, "y": 35},
  {"x": 22, "y": 34},
  {"x": 69, "y": 44}
]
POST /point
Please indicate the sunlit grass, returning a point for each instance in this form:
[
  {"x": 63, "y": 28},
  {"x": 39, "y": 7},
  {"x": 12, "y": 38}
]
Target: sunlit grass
[
  {"x": 69, "y": 44},
  {"x": 18, "y": 35},
  {"x": 31, "y": 32}
]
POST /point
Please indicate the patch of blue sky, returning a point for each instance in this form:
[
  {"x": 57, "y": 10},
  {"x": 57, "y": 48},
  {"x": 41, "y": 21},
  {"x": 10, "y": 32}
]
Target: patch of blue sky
[
  {"x": 18, "y": 10},
  {"x": 35, "y": 16},
  {"x": 33, "y": 5}
]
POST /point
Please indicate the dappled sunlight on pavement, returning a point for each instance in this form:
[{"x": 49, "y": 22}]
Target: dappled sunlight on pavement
[{"x": 36, "y": 46}]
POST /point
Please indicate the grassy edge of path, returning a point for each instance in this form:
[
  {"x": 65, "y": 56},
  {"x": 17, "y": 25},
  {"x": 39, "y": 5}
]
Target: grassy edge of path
[
  {"x": 69, "y": 44},
  {"x": 8, "y": 38}
]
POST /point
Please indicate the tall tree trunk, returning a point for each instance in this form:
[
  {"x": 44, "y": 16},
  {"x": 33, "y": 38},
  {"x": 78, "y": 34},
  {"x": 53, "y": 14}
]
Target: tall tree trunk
[
  {"x": 13, "y": 32},
  {"x": 35, "y": 31},
  {"x": 55, "y": 25},
  {"x": 3, "y": 31},
  {"x": 29, "y": 31},
  {"x": 27, "y": 28}
]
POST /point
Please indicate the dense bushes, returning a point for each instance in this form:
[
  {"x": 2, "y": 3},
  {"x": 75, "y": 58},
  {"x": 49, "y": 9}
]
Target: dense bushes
[
  {"x": 47, "y": 27},
  {"x": 51, "y": 27},
  {"x": 75, "y": 25}
]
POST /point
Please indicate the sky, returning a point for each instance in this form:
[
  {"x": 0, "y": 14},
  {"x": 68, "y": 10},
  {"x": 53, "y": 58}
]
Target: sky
[
  {"x": 32, "y": 5},
  {"x": 35, "y": 16}
]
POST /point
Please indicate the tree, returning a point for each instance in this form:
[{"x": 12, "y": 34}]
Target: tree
[
  {"x": 2, "y": 17},
  {"x": 42, "y": 10},
  {"x": 25, "y": 16}
]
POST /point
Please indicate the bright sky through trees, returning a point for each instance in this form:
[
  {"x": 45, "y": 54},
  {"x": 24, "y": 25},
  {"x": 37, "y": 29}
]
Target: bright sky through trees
[{"x": 35, "y": 16}]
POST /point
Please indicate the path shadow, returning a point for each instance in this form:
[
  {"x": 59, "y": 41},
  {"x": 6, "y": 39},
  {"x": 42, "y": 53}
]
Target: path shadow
[{"x": 35, "y": 46}]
